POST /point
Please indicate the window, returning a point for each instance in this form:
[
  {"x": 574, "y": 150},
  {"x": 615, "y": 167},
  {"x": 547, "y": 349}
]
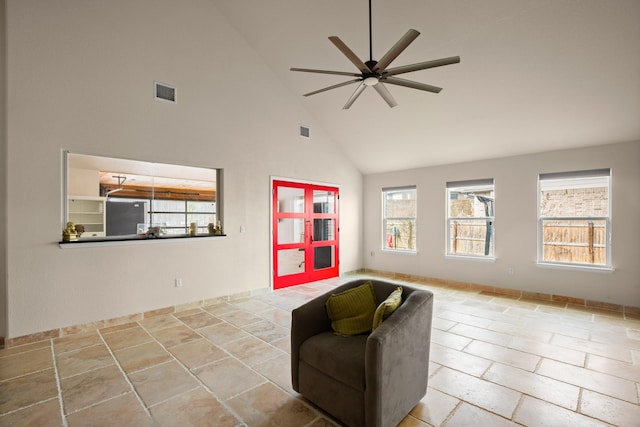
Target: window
[
  {"x": 470, "y": 218},
  {"x": 177, "y": 215},
  {"x": 399, "y": 211},
  {"x": 110, "y": 198},
  {"x": 574, "y": 224}
]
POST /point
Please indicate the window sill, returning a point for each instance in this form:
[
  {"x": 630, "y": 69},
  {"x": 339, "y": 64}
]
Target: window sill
[
  {"x": 391, "y": 251},
  {"x": 131, "y": 240},
  {"x": 576, "y": 267},
  {"x": 470, "y": 258}
]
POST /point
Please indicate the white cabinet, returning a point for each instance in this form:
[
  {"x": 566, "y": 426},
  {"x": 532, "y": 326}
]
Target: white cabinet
[{"x": 90, "y": 212}]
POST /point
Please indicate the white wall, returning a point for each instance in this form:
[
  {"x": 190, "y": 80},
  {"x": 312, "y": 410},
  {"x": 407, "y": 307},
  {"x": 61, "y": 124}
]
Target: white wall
[
  {"x": 515, "y": 224},
  {"x": 80, "y": 77}
]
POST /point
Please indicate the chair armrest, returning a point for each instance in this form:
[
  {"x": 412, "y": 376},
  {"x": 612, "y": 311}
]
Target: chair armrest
[
  {"x": 306, "y": 321},
  {"x": 397, "y": 361}
]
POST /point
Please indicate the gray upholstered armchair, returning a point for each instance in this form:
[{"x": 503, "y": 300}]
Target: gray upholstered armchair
[{"x": 364, "y": 380}]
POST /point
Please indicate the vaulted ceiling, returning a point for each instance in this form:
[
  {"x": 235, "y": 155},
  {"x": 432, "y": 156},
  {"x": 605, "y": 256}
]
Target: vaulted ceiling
[{"x": 535, "y": 75}]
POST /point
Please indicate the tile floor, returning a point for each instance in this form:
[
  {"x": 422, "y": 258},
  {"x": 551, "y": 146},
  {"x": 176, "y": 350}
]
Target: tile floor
[{"x": 495, "y": 361}]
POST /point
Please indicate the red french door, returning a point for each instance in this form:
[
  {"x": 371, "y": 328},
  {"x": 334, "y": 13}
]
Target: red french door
[{"x": 305, "y": 233}]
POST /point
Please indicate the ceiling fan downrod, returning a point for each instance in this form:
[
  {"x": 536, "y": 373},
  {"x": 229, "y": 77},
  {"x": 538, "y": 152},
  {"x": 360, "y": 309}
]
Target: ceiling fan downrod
[{"x": 370, "y": 36}]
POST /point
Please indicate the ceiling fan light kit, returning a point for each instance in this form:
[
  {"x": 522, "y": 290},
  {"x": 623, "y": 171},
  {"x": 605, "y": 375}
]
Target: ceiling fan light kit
[{"x": 375, "y": 73}]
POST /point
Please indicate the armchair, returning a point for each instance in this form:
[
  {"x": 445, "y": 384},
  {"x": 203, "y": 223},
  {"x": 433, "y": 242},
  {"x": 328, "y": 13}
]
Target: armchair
[{"x": 369, "y": 380}]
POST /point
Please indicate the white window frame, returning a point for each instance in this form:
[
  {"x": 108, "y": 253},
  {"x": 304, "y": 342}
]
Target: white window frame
[
  {"x": 384, "y": 244},
  {"x": 478, "y": 185},
  {"x": 567, "y": 180}
]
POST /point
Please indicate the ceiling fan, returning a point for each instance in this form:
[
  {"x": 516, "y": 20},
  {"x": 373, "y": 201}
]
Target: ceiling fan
[{"x": 376, "y": 74}]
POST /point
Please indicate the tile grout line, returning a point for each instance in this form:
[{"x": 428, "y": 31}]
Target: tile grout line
[
  {"x": 13, "y": 411},
  {"x": 518, "y": 406},
  {"x": 23, "y": 352},
  {"x": 251, "y": 368},
  {"x": 24, "y": 375},
  {"x": 193, "y": 375},
  {"x": 550, "y": 321},
  {"x": 77, "y": 349},
  {"x": 269, "y": 381},
  {"x": 579, "y": 403},
  {"x": 58, "y": 385},
  {"x": 94, "y": 404},
  {"x": 126, "y": 377}
]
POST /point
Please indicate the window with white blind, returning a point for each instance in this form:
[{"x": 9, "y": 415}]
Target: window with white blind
[{"x": 574, "y": 222}]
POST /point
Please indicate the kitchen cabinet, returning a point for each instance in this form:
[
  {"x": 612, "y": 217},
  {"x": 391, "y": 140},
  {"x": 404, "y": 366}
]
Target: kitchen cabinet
[{"x": 90, "y": 212}]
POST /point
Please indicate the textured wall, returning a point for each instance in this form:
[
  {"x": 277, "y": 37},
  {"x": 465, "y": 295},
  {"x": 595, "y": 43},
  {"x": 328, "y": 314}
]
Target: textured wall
[{"x": 80, "y": 78}]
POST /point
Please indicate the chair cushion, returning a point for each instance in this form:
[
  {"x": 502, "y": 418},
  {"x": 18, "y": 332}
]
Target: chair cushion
[
  {"x": 351, "y": 311},
  {"x": 387, "y": 307},
  {"x": 341, "y": 358}
]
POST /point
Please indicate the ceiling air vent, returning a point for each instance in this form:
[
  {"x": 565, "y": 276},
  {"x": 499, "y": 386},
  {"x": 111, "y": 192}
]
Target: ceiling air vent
[
  {"x": 164, "y": 92},
  {"x": 304, "y": 132}
]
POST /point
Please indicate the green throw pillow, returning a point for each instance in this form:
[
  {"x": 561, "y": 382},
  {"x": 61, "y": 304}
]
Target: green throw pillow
[
  {"x": 351, "y": 311},
  {"x": 387, "y": 307}
]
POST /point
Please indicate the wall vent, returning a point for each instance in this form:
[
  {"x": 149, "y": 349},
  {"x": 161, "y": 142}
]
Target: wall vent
[
  {"x": 304, "y": 132},
  {"x": 164, "y": 92}
]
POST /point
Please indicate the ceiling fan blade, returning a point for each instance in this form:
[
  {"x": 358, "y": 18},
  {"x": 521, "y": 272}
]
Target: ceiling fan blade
[
  {"x": 355, "y": 96},
  {"x": 385, "y": 94},
  {"x": 395, "y": 50},
  {"x": 422, "y": 66},
  {"x": 339, "y": 73},
  {"x": 413, "y": 85},
  {"x": 349, "y": 54},
  {"x": 332, "y": 87}
]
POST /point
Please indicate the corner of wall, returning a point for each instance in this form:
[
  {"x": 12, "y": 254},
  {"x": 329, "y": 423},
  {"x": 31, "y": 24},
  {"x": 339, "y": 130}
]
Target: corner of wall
[{"x": 3, "y": 170}]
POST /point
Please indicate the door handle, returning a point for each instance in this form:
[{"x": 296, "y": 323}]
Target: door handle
[{"x": 309, "y": 230}]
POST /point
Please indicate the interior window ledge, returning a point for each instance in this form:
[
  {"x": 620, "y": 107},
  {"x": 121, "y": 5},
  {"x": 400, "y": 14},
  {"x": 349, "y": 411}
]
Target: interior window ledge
[
  {"x": 579, "y": 267},
  {"x": 101, "y": 242},
  {"x": 470, "y": 258},
  {"x": 390, "y": 251}
]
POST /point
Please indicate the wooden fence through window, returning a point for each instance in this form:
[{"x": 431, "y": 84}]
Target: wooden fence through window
[
  {"x": 468, "y": 237},
  {"x": 583, "y": 242}
]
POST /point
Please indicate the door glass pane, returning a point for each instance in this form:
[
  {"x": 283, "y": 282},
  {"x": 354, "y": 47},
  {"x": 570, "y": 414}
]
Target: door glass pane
[
  {"x": 290, "y": 230},
  {"x": 290, "y": 199},
  {"x": 323, "y": 257},
  {"x": 323, "y": 229},
  {"x": 323, "y": 201},
  {"x": 290, "y": 261}
]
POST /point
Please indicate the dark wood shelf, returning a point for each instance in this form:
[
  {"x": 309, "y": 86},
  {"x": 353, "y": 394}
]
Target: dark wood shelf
[{"x": 135, "y": 238}]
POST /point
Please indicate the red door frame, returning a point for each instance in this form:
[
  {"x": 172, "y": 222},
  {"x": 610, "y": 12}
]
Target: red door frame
[{"x": 308, "y": 244}]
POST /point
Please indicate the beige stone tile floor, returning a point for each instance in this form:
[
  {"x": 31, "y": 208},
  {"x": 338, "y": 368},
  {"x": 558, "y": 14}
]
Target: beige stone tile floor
[{"x": 495, "y": 361}]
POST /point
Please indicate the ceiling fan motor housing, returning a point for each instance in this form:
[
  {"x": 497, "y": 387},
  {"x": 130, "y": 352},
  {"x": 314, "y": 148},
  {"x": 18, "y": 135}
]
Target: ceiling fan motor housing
[{"x": 372, "y": 78}]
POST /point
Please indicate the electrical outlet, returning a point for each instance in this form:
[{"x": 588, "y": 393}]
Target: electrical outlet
[
  {"x": 178, "y": 282},
  {"x": 510, "y": 270}
]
